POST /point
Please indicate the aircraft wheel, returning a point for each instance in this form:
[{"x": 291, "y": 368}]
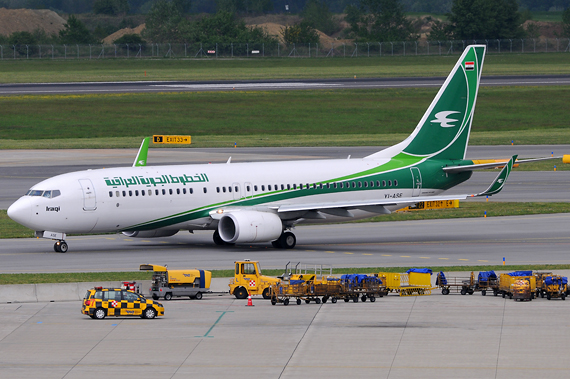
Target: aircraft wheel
[
  {"x": 56, "y": 247},
  {"x": 217, "y": 239},
  {"x": 287, "y": 240}
]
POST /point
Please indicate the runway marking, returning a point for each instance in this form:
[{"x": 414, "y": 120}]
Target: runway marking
[
  {"x": 348, "y": 253},
  {"x": 330, "y": 252},
  {"x": 443, "y": 258},
  {"x": 405, "y": 256},
  {"x": 463, "y": 259},
  {"x": 482, "y": 260},
  {"x": 425, "y": 257},
  {"x": 367, "y": 254},
  {"x": 145, "y": 241},
  {"x": 247, "y": 85},
  {"x": 109, "y": 238},
  {"x": 386, "y": 255},
  {"x": 163, "y": 241}
]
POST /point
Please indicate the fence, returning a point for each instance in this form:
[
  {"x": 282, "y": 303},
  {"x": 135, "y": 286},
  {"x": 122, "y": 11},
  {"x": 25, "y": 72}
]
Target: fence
[{"x": 254, "y": 50}]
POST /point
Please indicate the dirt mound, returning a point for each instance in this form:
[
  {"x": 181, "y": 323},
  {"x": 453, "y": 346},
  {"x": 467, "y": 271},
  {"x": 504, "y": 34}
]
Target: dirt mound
[
  {"x": 545, "y": 29},
  {"x": 276, "y": 30},
  {"x": 28, "y": 20},
  {"x": 119, "y": 33}
]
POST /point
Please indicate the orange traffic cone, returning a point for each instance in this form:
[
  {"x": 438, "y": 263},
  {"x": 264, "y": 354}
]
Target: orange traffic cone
[{"x": 249, "y": 303}]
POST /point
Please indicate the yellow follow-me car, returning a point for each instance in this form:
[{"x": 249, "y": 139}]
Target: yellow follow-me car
[{"x": 101, "y": 302}]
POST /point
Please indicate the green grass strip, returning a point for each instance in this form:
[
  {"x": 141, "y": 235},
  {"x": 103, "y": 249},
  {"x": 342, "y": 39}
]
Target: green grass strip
[
  {"x": 273, "y": 118},
  {"x": 79, "y": 277},
  {"x": 73, "y": 70}
]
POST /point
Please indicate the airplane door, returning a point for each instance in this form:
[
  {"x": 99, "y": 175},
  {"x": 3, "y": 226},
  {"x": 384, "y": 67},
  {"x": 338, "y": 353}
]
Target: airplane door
[
  {"x": 416, "y": 181},
  {"x": 248, "y": 189},
  {"x": 236, "y": 190},
  {"x": 89, "y": 199}
]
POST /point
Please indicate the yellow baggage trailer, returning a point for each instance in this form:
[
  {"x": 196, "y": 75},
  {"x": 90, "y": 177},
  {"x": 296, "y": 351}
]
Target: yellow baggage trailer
[
  {"x": 415, "y": 282},
  {"x": 506, "y": 282}
]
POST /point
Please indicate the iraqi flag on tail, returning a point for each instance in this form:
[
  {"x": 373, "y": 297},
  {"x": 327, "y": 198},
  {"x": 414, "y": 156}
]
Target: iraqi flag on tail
[{"x": 469, "y": 66}]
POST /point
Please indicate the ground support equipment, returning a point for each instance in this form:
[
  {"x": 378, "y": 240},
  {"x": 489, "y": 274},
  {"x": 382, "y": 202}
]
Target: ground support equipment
[
  {"x": 364, "y": 287},
  {"x": 416, "y": 282},
  {"x": 553, "y": 287},
  {"x": 510, "y": 283}
]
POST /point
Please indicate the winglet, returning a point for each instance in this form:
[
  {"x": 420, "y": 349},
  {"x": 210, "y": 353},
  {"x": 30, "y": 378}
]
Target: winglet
[
  {"x": 140, "y": 160},
  {"x": 500, "y": 180}
]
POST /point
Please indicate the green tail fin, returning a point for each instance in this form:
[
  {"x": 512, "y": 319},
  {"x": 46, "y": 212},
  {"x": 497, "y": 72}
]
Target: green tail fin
[
  {"x": 443, "y": 132},
  {"x": 140, "y": 160}
]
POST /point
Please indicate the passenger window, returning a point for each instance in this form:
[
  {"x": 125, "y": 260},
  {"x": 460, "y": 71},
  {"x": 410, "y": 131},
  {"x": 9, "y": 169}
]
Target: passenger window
[
  {"x": 130, "y": 193},
  {"x": 178, "y": 191},
  {"x": 365, "y": 184},
  {"x": 129, "y": 296},
  {"x": 255, "y": 188},
  {"x": 163, "y": 191},
  {"x": 124, "y": 193},
  {"x": 191, "y": 190},
  {"x": 247, "y": 188},
  {"x": 136, "y": 192},
  {"x": 269, "y": 187},
  {"x": 395, "y": 183},
  {"x": 282, "y": 187},
  {"x": 156, "y": 192},
  {"x": 205, "y": 190},
  {"x": 184, "y": 191},
  {"x": 117, "y": 193},
  {"x": 218, "y": 189},
  {"x": 377, "y": 183},
  {"x": 371, "y": 183},
  {"x": 389, "y": 183},
  {"x": 229, "y": 189},
  {"x": 112, "y": 295},
  {"x": 288, "y": 186},
  {"x": 142, "y": 192},
  {"x": 236, "y": 188},
  {"x": 98, "y": 295},
  {"x": 170, "y": 191},
  {"x": 383, "y": 183},
  {"x": 353, "y": 184},
  {"x": 263, "y": 187},
  {"x": 294, "y": 186},
  {"x": 110, "y": 193}
]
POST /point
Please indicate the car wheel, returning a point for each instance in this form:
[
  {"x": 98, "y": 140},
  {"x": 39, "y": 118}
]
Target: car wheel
[
  {"x": 198, "y": 296},
  {"x": 266, "y": 295},
  {"x": 168, "y": 296},
  {"x": 99, "y": 314},
  {"x": 149, "y": 313}
]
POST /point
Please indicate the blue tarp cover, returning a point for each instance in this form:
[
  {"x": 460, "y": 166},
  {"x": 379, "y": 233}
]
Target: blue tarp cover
[
  {"x": 549, "y": 280},
  {"x": 420, "y": 270},
  {"x": 520, "y": 273},
  {"x": 297, "y": 281},
  {"x": 487, "y": 275},
  {"x": 360, "y": 278},
  {"x": 441, "y": 279}
]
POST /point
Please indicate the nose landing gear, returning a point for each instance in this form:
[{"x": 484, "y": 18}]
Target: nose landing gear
[{"x": 60, "y": 247}]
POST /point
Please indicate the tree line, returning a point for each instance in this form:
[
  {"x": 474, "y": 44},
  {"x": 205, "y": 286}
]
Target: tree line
[{"x": 171, "y": 21}]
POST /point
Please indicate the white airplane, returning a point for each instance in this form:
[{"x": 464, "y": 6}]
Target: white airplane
[{"x": 262, "y": 202}]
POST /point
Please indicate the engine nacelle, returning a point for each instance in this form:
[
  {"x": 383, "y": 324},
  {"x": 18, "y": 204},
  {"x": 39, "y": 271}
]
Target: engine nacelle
[
  {"x": 249, "y": 226},
  {"x": 150, "y": 233}
]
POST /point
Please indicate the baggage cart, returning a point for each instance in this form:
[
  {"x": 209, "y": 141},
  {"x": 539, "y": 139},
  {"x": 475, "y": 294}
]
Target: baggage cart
[
  {"x": 415, "y": 282},
  {"x": 461, "y": 285},
  {"x": 553, "y": 286},
  {"x": 364, "y": 287}
]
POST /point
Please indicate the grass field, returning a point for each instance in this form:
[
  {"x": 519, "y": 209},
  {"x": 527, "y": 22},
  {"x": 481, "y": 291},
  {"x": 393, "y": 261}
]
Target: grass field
[
  {"x": 47, "y": 70},
  {"x": 275, "y": 118},
  {"x": 145, "y": 275},
  {"x": 10, "y": 229}
]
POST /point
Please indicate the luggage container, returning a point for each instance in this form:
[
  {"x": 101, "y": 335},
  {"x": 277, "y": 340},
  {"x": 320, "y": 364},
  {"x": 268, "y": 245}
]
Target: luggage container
[
  {"x": 170, "y": 283},
  {"x": 507, "y": 280},
  {"x": 364, "y": 287},
  {"x": 415, "y": 282},
  {"x": 521, "y": 290}
]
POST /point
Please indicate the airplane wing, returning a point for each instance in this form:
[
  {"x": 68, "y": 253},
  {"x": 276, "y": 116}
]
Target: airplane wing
[{"x": 379, "y": 205}]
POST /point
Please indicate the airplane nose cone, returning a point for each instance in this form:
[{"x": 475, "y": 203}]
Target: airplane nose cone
[{"x": 21, "y": 211}]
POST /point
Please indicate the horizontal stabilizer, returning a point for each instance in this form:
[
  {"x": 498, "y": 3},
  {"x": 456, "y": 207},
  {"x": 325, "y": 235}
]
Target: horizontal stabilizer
[
  {"x": 495, "y": 164},
  {"x": 500, "y": 180}
]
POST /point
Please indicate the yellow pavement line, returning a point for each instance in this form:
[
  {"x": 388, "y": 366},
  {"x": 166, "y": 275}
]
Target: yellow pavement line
[
  {"x": 386, "y": 255},
  {"x": 366, "y": 254},
  {"x": 425, "y": 257},
  {"x": 405, "y": 256},
  {"x": 348, "y": 253},
  {"x": 443, "y": 258},
  {"x": 463, "y": 259},
  {"x": 331, "y": 252}
]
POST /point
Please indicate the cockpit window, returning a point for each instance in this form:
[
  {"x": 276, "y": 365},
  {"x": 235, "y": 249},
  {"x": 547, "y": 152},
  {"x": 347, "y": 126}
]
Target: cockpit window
[{"x": 46, "y": 194}]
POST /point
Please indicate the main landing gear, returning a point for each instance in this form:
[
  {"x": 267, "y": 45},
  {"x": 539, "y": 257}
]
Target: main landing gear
[
  {"x": 287, "y": 240},
  {"x": 60, "y": 247}
]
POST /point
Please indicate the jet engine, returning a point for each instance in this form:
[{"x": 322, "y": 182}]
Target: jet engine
[
  {"x": 249, "y": 226},
  {"x": 150, "y": 233}
]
